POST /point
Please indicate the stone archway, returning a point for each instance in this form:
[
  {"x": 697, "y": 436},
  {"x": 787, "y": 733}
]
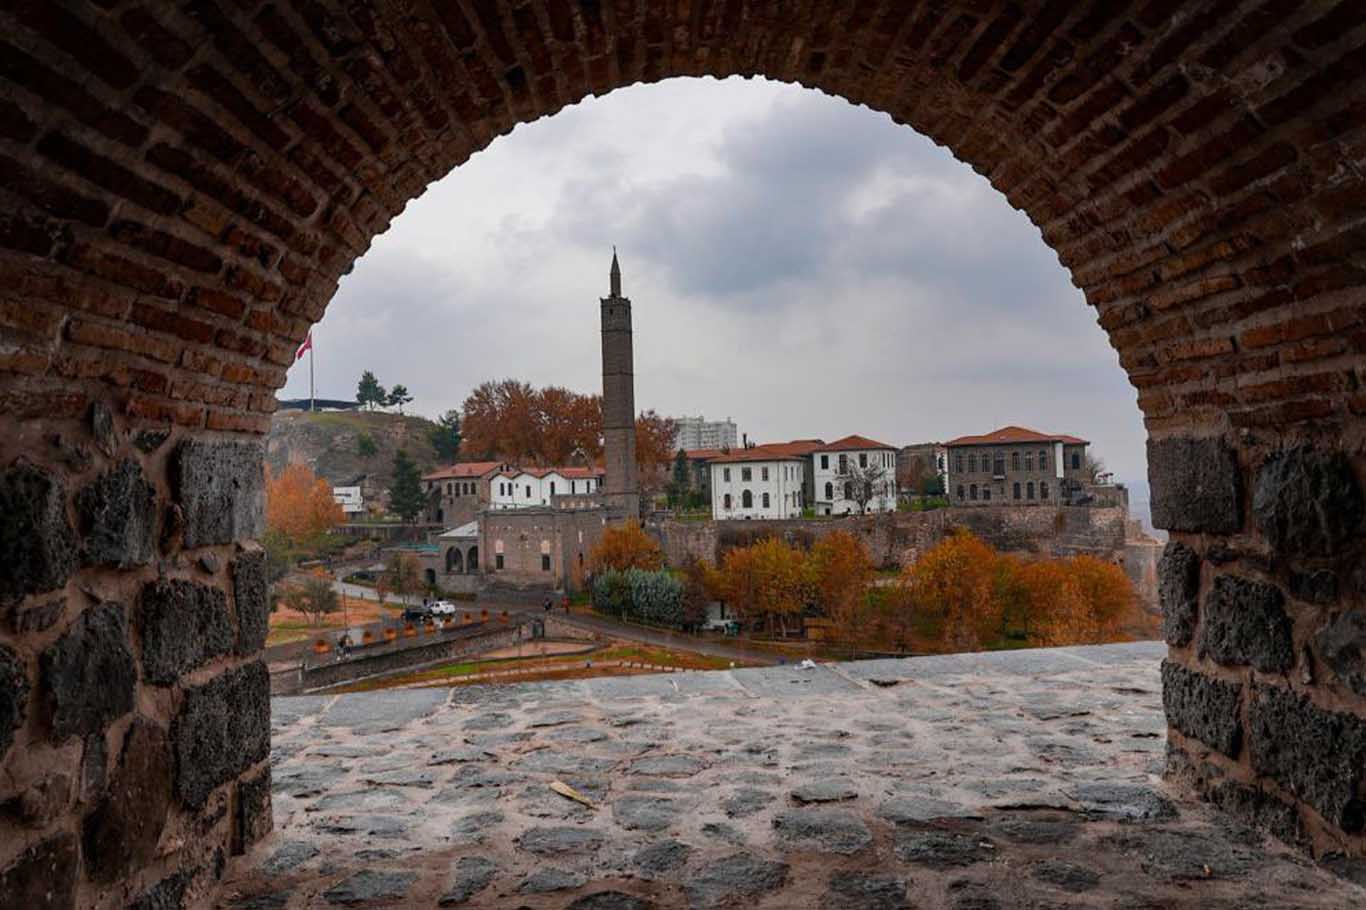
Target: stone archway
[
  {"x": 184, "y": 184},
  {"x": 472, "y": 560},
  {"x": 455, "y": 561}
]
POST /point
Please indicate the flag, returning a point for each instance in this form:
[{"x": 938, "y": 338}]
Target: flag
[{"x": 305, "y": 347}]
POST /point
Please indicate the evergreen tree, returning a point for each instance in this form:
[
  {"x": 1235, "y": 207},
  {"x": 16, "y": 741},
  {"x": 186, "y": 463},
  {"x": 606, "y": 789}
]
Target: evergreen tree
[
  {"x": 369, "y": 392},
  {"x": 398, "y": 397},
  {"x": 445, "y": 436},
  {"x": 405, "y": 495},
  {"x": 366, "y": 447},
  {"x": 682, "y": 480}
]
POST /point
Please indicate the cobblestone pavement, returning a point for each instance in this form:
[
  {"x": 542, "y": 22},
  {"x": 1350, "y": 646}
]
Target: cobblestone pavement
[{"x": 1027, "y": 779}]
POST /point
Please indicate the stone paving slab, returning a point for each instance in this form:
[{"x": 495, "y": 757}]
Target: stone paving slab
[{"x": 1004, "y": 781}]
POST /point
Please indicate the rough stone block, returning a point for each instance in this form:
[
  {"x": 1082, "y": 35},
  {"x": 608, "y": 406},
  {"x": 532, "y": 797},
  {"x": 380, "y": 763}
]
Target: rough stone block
[
  {"x": 222, "y": 730},
  {"x": 251, "y": 595},
  {"x": 43, "y": 877},
  {"x": 89, "y": 672},
  {"x": 167, "y": 894},
  {"x": 1195, "y": 485},
  {"x": 14, "y": 691},
  {"x": 1306, "y": 502},
  {"x": 1245, "y": 623},
  {"x": 1259, "y": 809},
  {"x": 1204, "y": 708},
  {"x": 1342, "y": 644},
  {"x": 1320, "y": 587},
  {"x": 1178, "y": 587},
  {"x": 117, "y": 513},
  {"x": 254, "y": 819},
  {"x": 35, "y": 535},
  {"x": 184, "y": 625},
  {"x": 221, "y": 489},
  {"x": 122, "y": 831},
  {"x": 1319, "y": 756}
]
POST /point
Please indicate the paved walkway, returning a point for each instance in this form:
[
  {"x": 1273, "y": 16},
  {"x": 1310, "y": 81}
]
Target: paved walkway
[{"x": 1005, "y": 781}]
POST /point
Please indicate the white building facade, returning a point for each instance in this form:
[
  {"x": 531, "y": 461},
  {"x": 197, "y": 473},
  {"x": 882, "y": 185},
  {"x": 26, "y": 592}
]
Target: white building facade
[
  {"x": 757, "y": 484},
  {"x": 840, "y": 466},
  {"x": 700, "y": 433},
  {"x": 531, "y": 487},
  {"x": 351, "y": 501}
]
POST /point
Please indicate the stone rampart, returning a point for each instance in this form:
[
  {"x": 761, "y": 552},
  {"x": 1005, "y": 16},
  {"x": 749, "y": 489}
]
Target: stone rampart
[{"x": 321, "y": 675}]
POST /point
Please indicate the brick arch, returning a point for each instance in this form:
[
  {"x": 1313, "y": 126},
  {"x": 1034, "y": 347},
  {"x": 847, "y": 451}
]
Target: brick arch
[{"x": 184, "y": 184}]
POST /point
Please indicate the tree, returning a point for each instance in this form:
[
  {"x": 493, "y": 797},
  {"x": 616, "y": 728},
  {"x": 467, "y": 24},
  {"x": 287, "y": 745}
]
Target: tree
[
  {"x": 445, "y": 436},
  {"x": 398, "y": 396},
  {"x": 696, "y": 592},
  {"x": 863, "y": 484},
  {"x": 1092, "y": 466},
  {"x": 1058, "y": 610},
  {"x": 369, "y": 392},
  {"x": 681, "y": 484},
  {"x": 953, "y": 582},
  {"x": 840, "y": 571},
  {"x": 402, "y": 575},
  {"x": 314, "y": 597},
  {"x": 626, "y": 547},
  {"x": 366, "y": 447},
  {"x": 654, "y": 444},
  {"x": 406, "y": 498},
  {"x": 766, "y": 581},
  {"x": 299, "y": 505},
  {"x": 1108, "y": 593}
]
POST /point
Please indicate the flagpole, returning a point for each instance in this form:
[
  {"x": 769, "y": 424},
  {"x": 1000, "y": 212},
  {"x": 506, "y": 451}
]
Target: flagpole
[{"x": 311, "y": 405}]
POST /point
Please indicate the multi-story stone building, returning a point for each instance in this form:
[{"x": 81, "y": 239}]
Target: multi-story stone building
[
  {"x": 457, "y": 492},
  {"x": 922, "y": 468},
  {"x": 1016, "y": 465},
  {"x": 758, "y": 482},
  {"x": 700, "y": 433},
  {"x": 853, "y": 475}
]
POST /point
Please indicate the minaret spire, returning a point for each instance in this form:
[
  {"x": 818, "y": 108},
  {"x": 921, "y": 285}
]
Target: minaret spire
[{"x": 616, "y": 274}]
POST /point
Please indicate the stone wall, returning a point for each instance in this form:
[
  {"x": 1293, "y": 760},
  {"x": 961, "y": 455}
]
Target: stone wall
[
  {"x": 134, "y": 711},
  {"x": 898, "y": 539},
  {"x": 185, "y": 184},
  {"x": 402, "y": 654}
]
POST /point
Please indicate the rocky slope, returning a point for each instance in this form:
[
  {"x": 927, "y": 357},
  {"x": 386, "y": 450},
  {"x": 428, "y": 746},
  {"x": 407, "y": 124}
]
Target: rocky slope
[{"x": 328, "y": 443}]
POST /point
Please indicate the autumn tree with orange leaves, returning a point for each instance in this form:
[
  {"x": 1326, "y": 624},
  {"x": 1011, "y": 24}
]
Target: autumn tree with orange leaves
[
  {"x": 626, "y": 547},
  {"x": 299, "y": 505},
  {"x": 766, "y": 581},
  {"x": 954, "y": 582}
]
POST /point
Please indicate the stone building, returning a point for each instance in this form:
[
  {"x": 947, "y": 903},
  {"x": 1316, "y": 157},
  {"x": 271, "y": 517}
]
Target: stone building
[
  {"x": 456, "y": 493},
  {"x": 622, "y": 489},
  {"x": 918, "y": 465},
  {"x": 1016, "y": 465},
  {"x": 541, "y": 547}
]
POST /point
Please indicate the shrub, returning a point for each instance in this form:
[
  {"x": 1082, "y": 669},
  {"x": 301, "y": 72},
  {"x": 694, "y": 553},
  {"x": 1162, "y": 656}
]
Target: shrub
[{"x": 656, "y": 597}]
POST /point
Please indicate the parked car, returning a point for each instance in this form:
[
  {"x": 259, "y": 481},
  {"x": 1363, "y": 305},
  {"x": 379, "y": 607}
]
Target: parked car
[
  {"x": 420, "y": 613},
  {"x": 716, "y": 624},
  {"x": 441, "y": 608}
]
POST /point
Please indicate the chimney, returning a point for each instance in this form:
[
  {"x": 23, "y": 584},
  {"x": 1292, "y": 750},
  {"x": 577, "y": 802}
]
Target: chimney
[{"x": 744, "y": 440}]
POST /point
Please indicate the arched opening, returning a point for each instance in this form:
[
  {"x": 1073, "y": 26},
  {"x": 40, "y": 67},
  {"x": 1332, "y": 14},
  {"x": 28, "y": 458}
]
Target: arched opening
[
  {"x": 183, "y": 191},
  {"x": 455, "y": 561},
  {"x": 472, "y": 560}
]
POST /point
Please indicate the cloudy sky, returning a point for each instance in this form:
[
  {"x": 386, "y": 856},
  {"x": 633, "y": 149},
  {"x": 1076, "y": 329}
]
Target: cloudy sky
[{"x": 803, "y": 266}]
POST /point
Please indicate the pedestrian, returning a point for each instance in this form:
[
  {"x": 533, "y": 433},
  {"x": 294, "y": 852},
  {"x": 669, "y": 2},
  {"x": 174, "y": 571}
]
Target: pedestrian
[
  {"x": 564, "y": 602},
  {"x": 547, "y": 606}
]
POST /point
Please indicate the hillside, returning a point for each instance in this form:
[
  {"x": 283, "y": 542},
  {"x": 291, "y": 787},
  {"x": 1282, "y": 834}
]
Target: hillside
[{"x": 327, "y": 441}]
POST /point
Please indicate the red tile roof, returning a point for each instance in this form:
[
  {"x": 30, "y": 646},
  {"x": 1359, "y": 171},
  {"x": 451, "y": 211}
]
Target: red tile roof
[
  {"x": 1013, "y": 434},
  {"x": 854, "y": 443},
  {"x": 568, "y": 473},
  {"x": 776, "y": 452},
  {"x": 463, "y": 469},
  {"x": 703, "y": 454}
]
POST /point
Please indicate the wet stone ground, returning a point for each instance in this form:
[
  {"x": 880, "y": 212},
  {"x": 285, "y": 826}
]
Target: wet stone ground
[{"x": 970, "y": 782}]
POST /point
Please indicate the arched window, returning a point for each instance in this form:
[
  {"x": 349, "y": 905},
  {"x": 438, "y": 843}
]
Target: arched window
[
  {"x": 1076, "y": 461},
  {"x": 986, "y": 491},
  {"x": 972, "y": 464},
  {"x": 972, "y": 491},
  {"x": 1017, "y": 489},
  {"x": 848, "y": 490},
  {"x": 455, "y": 561},
  {"x": 765, "y": 500},
  {"x": 960, "y": 492},
  {"x": 999, "y": 464},
  {"x": 1043, "y": 490},
  {"x": 725, "y": 502},
  {"x": 1015, "y": 463},
  {"x": 829, "y": 490},
  {"x": 472, "y": 560},
  {"x": 1029, "y": 461},
  {"x": 746, "y": 499},
  {"x": 958, "y": 464},
  {"x": 1043, "y": 459},
  {"x": 1029, "y": 490}
]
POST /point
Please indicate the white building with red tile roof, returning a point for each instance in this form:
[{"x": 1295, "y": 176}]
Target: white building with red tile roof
[
  {"x": 759, "y": 482},
  {"x": 853, "y": 475}
]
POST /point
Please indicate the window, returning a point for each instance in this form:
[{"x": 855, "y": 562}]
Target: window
[
  {"x": 528, "y": 491},
  {"x": 725, "y": 474},
  {"x": 844, "y": 464},
  {"x": 763, "y": 473},
  {"x": 960, "y": 492},
  {"x": 1029, "y": 490},
  {"x": 765, "y": 500},
  {"x": 746, "y": 474},
  {"x": 848, "y": 490},
  {"x": 825, "y": 462},
  {"x": 972, "y": 491},
  {"x": 829, "y": 490},
  {"x": 863, "y": 459},
  {"x": 552, "y": 488},
  {"x": 1043, "y": 490},
  {"x": 958, "y": 464},
  {"x": 448, "y": 489},
  {"x": 1000, "y": 464},
  {"x": 986, "y": 491},
  {"x": 1015, "y": 463},
  {"x": 545, "y": 562},
  {"x": 498, "y": 561},
  {"x": 1043, "y": 459},
  {"x": 1076, "y": 461},
  {"x": 1016, "y": 490},
  {"x": 1029, "y": 461},
  {"x": 725, "y": 502},
  {"x": 746, "y": 500}
]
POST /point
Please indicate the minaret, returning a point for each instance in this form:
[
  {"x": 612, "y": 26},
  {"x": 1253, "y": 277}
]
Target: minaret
[{"x": 619, "y": 399}]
